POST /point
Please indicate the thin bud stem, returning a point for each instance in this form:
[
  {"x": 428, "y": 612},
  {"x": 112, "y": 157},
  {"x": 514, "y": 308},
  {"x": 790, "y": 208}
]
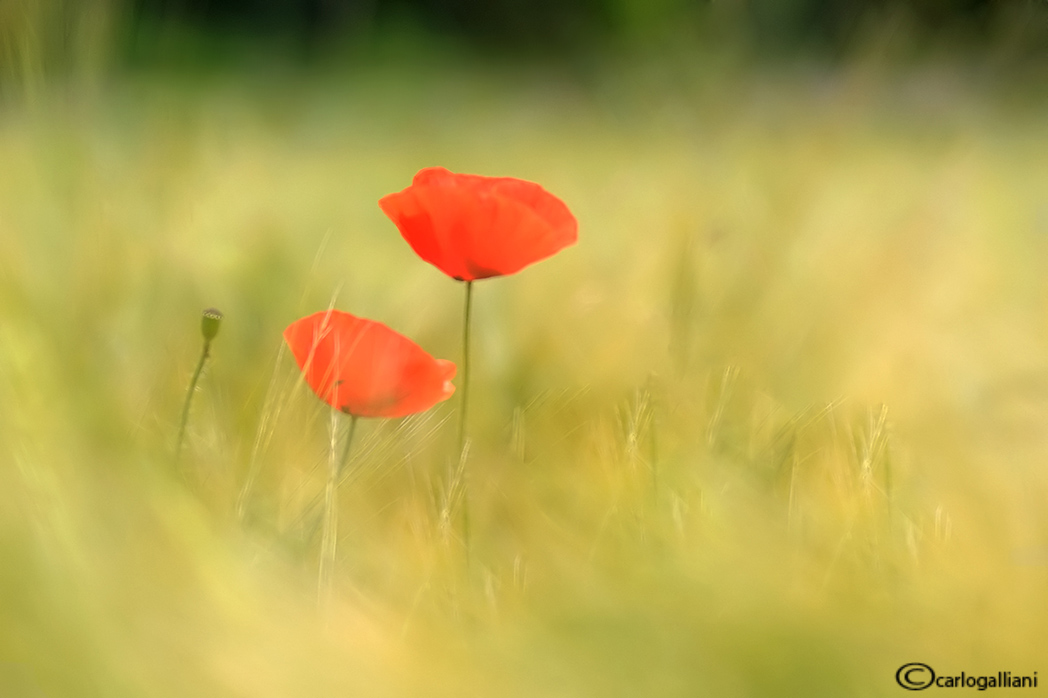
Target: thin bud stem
[
  {"x": 209, "y": 324},
  {"x": 204, "y": 354}
]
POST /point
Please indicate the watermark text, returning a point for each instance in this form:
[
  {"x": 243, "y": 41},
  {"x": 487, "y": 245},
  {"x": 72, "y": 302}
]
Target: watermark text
[{"x": 917, "y": 676}]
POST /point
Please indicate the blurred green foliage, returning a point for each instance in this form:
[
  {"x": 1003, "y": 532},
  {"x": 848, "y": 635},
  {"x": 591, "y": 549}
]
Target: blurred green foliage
[
  {"x": 39, "y": 37},
  {"x": 775, "y": 426},
  {"x": 72, "y": 35},
  {"x": 551, "y": 21}
]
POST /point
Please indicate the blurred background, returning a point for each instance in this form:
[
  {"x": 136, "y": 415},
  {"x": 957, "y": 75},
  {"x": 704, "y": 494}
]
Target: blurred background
[
  {"x": 58, "y": 37},
  {"x": 775, "y": 426}
]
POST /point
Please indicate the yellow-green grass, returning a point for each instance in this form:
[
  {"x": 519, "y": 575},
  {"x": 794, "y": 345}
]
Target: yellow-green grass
[{"x": 775, "y": 426}]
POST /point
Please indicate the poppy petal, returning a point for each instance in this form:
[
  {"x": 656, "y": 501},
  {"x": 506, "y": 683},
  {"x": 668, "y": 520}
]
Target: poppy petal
[
  {"x": 473, "y": 227},
  {"x": 364, "y": 368}
]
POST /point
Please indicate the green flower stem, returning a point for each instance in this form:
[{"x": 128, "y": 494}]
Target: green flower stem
[
  {"x": 189, "y": 398},
  {"x": 464, "y": 415},
  {"x": 329, "y": 539},
  {"x": 465, "y": 367}
]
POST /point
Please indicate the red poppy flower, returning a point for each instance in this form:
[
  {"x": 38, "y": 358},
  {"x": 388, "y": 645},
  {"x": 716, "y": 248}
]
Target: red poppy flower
[
  {"x": 365, "y": 369},
  {"x": 472, "y": 227}
]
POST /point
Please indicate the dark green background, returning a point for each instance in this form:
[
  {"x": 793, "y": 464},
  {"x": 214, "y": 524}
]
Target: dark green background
[{"x": 564, "y": 25}]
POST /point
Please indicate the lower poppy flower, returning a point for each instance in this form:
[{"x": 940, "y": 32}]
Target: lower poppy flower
[{"x": 364, "y": 368}]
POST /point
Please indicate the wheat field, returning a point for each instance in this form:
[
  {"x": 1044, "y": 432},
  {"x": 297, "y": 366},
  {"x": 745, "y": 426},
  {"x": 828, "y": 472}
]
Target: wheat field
[{"x": 776, "y": 425}]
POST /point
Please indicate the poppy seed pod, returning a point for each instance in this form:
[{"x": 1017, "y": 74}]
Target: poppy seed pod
[
  {"x": 473, "y": 227},
  {"x": 364, "y": 368},
  {"x": 210, "y": 322}
]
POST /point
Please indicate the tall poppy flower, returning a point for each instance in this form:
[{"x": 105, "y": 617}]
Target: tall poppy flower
[
  {"x": 473, "y": 227},
  {"x": 365, "y": 369}
]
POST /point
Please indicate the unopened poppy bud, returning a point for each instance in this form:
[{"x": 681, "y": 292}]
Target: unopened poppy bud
[{"x": 209, "y": 323}]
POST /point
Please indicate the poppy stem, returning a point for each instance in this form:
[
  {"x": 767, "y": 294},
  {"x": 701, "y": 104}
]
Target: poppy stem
[
  {"x": 464, "y": 414},
  {"x": 329, "y": 539},
  {"x": 468, "y": 314},
  {"x": 189, "y": 399}
]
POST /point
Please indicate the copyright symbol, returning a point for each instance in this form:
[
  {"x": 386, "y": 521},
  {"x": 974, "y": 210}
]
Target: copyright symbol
[{"x": 915, "y": 676}]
